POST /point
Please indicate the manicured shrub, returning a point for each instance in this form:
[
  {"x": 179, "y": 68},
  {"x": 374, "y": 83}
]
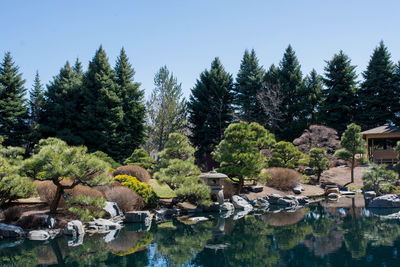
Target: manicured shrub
[
  {"x": 283, "y": 178},
  {"x": 378, "y": 175},
  {"x": 388, "y": 189},
  {"x": 318, "y": 161},
  {"x": 12, "y": 214},
  {"x": 136, "y": 171},
  {"x": 88, "y": 208},
  {"x": 142, "y": 189},
  {"x": 126, "y": 199},
  {"x": 285, "y": 155},
  {"x": 140, "y": 157}
]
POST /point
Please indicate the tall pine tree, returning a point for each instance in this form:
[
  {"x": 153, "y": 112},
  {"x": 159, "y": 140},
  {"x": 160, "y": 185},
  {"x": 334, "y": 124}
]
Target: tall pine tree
[
  {"x": 102, "y": 107},
  {"x": 313, "y": 97},
  {"x": 210, "y": 110},
  {"x": 291, "y": 84},
  {"x": 339, "y": 106},
  {"x": 378, "y": 91},
  {"x": 166, "y": 110},
  {"x": 249, "y": 82},
  {"x": 131, "y": 130},
  {"x": 13, "y": 109},
  {"x": 61, "y": 116},
  {"x": 36, "y": 108}
]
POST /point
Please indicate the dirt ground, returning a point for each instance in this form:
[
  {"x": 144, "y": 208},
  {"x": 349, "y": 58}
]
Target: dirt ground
[{"x": 338, "y": 175}]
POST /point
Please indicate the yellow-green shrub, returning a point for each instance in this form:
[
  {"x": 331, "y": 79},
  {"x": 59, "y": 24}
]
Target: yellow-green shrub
[{"x": 142, "y": 189}]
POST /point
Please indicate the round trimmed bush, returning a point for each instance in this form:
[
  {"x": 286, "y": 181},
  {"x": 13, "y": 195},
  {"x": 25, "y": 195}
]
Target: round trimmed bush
[
  {"x": 143, "y": 189},
  {"x": 126, "y": 199},
  {"x": 132, "y": 170}
]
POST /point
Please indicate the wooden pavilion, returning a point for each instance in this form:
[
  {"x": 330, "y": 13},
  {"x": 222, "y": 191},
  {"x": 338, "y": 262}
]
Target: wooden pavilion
[{"x": 381, "y": 143}]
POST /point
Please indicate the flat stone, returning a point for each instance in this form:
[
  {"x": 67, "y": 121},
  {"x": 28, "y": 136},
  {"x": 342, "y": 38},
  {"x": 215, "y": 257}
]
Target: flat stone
[
  {"x": 241, "y": 204},
  {"x": 330, "y": 190},
  {"x": 11, "y": 231},
  {"x": 138, "y": 217},
  {"x": 369, "y": 194},
  {"x": 347, "y": 193},
  {"x": 288, "y": 201},
  {"x": 297, "y": 189},
  {"x": 385, "y": 201},
  {"x": 333, "y": 196},
  {"x": 256, "y": 188},
  {"x": 38, "y": 235},
  {"x": 303, "y": 200},
  {"x": 198, "y": 219}
]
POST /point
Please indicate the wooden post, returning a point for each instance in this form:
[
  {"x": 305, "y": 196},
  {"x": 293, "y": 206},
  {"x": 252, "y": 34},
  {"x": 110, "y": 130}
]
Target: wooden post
[
  {"x": 373, "y": 151},
  {"x": 368, "y": 154}
]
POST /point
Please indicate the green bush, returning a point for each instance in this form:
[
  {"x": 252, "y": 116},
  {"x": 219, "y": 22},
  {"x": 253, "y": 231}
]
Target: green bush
[
  {"x": 368, "y": 186},
  {"x": 285, "y": 155},
  {"x": 379, "y": 176},
  {"x": 140, "y": 157},
  {"x": 88, "y": 208},
  {"x": 363, "y": 161},
  {"x": 106, "y": 158},
  {"x": 388, "y": 189},
  {"x": 142, "y": 189}
]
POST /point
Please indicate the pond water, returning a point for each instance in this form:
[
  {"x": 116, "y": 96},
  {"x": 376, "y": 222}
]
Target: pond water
[{"x": 318, "y": 235}]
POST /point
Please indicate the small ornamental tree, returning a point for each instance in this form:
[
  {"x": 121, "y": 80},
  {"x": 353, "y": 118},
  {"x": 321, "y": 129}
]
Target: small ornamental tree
[
  {"x": 379, "y": 174},
  {"x": 286, "y": 155},
  {"x": 352, "y": 144},
  {"x": 318, "y": 161},
  {"x": 239, "y": 153},
  {"x": 140, "y": 157},
  {"x": 177, "y": 169},
  {"x": 56, "y": 161}
]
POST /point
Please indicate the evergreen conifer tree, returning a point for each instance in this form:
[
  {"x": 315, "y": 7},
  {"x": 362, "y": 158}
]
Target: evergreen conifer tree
[
  {"x": 339, "y": 106},
  {"x": 61, "y": 116},
  {"x": 377, "y": 93},
  {"x": 249, "y": 82},
  {"x": 102, "y": 110},
  {"x": 312, "y": 94},
  {"x": 36, "y": 107},
  {"x": 13, "y": 108},
  {"x": 210, "y": 110},
  {"x": 166, "y": 110},
  {"x": 131, "y": 130},
  {"x": 291, "y": 84}
]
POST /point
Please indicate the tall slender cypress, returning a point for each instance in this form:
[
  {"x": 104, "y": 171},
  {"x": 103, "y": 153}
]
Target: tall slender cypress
[
  {"x": 13, "y": 107},
  {"x": 210, "y": 110}
]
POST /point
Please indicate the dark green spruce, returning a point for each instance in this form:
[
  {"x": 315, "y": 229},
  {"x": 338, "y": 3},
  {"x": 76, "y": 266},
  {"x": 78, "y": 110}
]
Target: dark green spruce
[
  {"x": 102, "y": 107},
  {"x": 13, "y": 107},
  {"x": 36, "y": 108},
  {"x": 312, "y": 94},
  {"x": 249, "y": 82},
  {"x": 61, "y": 116},
  {"x": 130, "y": 132},
  {"x": 210, "y": 111},
  {"x": 340, "y": 95},
  {"x": 378, "y": 96}
]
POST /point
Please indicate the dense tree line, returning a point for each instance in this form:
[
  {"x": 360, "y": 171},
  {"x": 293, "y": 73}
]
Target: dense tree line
[{"x": 103, "y": 107}]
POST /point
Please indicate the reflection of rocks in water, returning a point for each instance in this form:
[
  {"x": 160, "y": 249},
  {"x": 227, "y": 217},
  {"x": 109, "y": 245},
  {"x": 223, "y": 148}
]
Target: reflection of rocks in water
[
  {"x": 283, "y": 218},
  {"x": 129, "y": 242},
  {"x": 111, "y": 236},
  {"x": 240, "y": 214},
  {"x": 325, "y": 244},
  {"x": 75, "y": 241},
  {"x": 45, "y": 255}
]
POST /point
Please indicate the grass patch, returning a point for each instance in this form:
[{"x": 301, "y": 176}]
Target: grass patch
[{"x": 161, "y": 190}]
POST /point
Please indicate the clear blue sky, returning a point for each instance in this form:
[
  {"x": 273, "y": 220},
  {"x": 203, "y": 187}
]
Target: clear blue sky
[{"x": 187, "y": 35}]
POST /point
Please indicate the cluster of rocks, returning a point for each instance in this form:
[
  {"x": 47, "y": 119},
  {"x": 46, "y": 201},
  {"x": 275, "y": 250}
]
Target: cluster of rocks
[{"x": 385, "y": 201}]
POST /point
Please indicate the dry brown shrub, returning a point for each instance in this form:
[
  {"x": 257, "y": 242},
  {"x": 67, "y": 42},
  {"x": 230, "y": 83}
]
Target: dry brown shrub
[
  {"x": 132, "y": 170},
  {"x": 229, "y": 188},
  {"x": 47, "y": 191},
  {"x": 283, "y": 178},
  {"x": 12, "y": 214},
  {"x": 126, "y": 199}
]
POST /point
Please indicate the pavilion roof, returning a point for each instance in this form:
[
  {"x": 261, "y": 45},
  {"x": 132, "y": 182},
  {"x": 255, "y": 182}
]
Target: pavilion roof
[{"x": 383, "y": 130}]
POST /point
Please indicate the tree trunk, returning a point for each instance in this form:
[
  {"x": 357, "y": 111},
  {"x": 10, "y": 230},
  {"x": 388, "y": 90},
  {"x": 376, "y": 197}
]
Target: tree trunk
[
  {"x": 56, "y": 200},
  {"x": 352, "y": 169}
]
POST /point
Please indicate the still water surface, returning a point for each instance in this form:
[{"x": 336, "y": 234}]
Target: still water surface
[{"x": 319, "y": 235}]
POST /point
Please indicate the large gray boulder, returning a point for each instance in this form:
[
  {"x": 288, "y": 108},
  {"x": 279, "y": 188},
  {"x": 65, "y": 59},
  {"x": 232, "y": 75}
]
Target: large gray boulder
[
  {"x": 227, "y": 206},
  {"x": 273, "y": 198},
  {"x": 241, "y": 204},
  {"x": 138, "y": 217},
  {"x": 288, "y": 201},
  {"x": 297, "y": 189},
  {"x": 38, "y": 235},
  {"x": 113, "y": 209},
  {"x": 103, "y": 225},
  {"x": 385, "y": 201},
  {"x": 11, "y": 231},
  {"x": 74, "y": 228},
  {"x": 369, "y": 194}
]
